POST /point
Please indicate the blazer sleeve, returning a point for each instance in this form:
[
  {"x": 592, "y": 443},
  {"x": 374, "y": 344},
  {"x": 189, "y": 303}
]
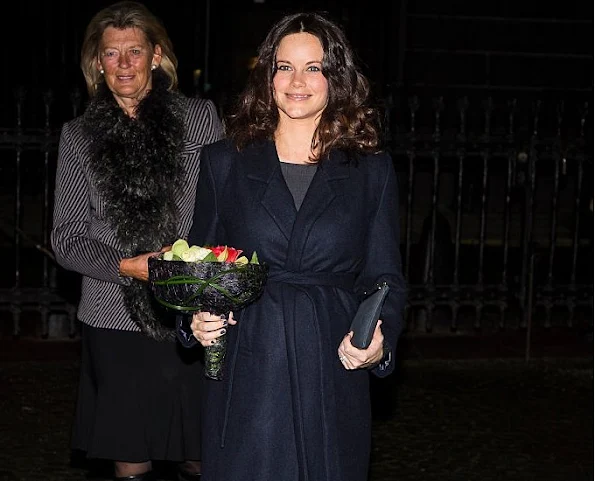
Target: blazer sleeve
[
  {"x": 203, "y": 123},
  {"x": 74, "y": 246}
]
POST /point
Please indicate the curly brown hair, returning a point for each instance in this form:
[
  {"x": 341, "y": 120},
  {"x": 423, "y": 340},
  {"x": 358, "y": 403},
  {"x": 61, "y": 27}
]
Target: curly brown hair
[{"x": 349, "y": 122}]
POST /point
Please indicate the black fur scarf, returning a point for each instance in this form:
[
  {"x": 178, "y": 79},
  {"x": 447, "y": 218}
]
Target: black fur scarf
[{"x": 137, "y": 165}]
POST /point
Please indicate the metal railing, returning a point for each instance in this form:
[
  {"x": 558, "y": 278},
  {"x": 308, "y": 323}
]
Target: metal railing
[{"x": 496, "y": 213}]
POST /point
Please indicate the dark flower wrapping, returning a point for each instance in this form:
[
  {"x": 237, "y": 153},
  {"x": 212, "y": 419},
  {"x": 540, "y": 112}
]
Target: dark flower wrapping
[{"x": 216, "y": 287}]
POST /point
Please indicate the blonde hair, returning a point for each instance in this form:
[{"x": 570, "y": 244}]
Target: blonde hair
[{"x": 126, "y": 14}]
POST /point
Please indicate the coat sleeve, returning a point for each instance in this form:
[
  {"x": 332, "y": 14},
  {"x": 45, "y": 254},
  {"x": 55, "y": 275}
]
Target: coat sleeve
[
  {"x": 183, "y": 331},
  {"x": 74, "y": 246},
  {"x": 206, "y": 228},
  {"x": 382, "y": 260}
]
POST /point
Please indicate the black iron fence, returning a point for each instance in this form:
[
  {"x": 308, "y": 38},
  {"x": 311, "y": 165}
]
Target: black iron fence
[{"x": 496, "y": 213}]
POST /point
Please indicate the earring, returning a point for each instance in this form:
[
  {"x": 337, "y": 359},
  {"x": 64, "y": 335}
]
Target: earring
[
  {"x": 101, "y": 71},
  {"x": 153, "y": 67}
]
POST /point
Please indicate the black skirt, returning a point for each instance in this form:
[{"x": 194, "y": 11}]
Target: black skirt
[{"x": 138, "y": 399}]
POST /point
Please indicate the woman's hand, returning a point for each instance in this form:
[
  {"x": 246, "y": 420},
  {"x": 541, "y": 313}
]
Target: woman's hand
[
  {"x": 207, "y": 327},
  {"x": 353, "y": 358},
  {"x": 138, "y": 267}
]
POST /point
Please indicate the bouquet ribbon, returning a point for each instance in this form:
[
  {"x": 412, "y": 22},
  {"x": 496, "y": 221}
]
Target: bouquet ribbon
[{"x": 203, "y": 283}]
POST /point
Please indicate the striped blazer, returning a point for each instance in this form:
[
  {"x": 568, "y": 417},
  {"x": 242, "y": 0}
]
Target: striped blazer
[{"x": 81, "y": 238}]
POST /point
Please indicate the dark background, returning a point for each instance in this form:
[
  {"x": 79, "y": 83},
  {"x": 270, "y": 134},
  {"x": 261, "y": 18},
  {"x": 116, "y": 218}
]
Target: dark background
[{"x": 508, "y": 47}]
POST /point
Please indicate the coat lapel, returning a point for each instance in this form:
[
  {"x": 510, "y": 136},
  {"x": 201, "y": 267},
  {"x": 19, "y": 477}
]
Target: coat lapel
[
  {"x": 262, "y": 166},
  {"x": 326, "y": 186}
]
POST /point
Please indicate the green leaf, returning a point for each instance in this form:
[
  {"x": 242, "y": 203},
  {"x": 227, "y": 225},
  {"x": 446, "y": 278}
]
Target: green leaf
[
  {"x": 254, "y": 259},
  {"x": 210, "y": 257}
]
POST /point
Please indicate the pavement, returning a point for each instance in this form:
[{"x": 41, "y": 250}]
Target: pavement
[{"x": 468, "y": 408}]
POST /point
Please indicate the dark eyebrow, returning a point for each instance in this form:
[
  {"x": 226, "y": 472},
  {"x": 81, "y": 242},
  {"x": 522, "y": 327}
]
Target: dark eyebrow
[{"x": 309, "y": 62}]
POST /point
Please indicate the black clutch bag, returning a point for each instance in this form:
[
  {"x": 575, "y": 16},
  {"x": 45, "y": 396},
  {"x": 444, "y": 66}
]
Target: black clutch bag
[{"x": 367, "y": 315}]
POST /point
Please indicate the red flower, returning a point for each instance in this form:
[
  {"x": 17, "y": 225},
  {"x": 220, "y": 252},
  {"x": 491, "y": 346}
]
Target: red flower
[{"x": 226, "y": 254}]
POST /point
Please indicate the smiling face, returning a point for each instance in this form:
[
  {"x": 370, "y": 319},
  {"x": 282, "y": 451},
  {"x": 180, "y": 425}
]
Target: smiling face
[
  {"x": 300, "y": 89},
  {"x": 126, "y": 57}
]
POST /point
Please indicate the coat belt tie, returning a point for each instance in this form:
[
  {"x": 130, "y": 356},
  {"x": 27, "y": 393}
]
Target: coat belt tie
[
  {"x": 332, "y": 279},
  {"x": 338, "y": 280}
]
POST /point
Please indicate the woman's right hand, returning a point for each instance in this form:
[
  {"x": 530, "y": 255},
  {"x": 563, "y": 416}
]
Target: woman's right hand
[{"x": 207, "y": 327}]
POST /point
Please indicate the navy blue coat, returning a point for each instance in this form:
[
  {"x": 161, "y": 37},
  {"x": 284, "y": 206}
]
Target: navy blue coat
[{"x": 287, "y": 409}]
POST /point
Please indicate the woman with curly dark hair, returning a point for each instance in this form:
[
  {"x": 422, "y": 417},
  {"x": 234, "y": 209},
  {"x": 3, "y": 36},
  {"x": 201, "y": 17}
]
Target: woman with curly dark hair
[{"x": 301, "y": 180}]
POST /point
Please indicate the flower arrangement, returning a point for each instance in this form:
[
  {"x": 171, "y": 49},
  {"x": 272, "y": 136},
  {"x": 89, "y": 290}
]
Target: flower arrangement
[
  {"x": 181, "y": 251},
  {"x": 212, "y": 278},
  {"x": 217, "y": 279}
]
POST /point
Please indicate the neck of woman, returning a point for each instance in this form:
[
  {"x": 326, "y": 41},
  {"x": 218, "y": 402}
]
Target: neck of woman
[
  {"x": 129, "y": 104},
  {"x": 294, "y": 143}
]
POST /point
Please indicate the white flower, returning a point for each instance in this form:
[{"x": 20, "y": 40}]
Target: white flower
[{"x": 194, "y": 254}]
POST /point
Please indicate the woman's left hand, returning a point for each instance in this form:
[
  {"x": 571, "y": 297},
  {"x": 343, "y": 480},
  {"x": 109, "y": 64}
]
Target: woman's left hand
[{"x": 353, "y": 358}]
